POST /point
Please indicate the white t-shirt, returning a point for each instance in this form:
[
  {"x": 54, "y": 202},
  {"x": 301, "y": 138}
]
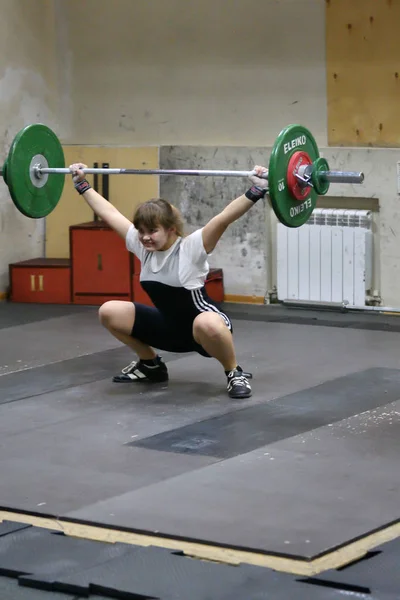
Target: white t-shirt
[
  {"x": 184, "y": 264},
  {"x": 174, "y": 279}
]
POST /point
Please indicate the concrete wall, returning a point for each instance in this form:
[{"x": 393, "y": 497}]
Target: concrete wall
[
  {"x": 244, "y": 250},
  {"x": 153, "y": 73},
  {"x": 28, "y": 94},
  {"x": 193, "y": 78},
  {"x": 380, "y": 185},
  {"x": 247, "y": 249},
  {"x": 209, "y": 72}
]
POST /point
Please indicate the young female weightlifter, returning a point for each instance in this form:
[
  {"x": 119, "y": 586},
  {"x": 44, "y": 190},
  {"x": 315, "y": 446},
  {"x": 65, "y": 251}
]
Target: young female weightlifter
[{"x": 173, "y": 272}]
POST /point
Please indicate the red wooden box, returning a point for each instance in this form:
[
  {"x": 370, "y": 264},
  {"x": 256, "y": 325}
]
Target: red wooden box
[
  {"x": 214, "y": 286},
  {"x": 101, "y": 264},
  {"x": 139, "y": 295},
  {"x": 41, "y": 280}
]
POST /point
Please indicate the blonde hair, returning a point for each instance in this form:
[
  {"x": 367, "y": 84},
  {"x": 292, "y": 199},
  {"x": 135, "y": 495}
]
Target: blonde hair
[{"x": 158, "y": 212}]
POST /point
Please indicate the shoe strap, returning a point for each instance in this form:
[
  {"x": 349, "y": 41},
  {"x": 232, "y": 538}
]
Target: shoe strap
[{"x": 126, "y": 370}]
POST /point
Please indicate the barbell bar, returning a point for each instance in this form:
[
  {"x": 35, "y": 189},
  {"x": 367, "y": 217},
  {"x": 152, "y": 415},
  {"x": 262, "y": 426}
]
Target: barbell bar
[
  {"x": 34, "y": 172},
  {"x": 330, "y": 176}
]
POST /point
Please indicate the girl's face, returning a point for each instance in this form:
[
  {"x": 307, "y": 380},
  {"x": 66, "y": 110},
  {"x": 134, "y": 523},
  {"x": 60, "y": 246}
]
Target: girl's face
[{"x": 157, "y": 238}]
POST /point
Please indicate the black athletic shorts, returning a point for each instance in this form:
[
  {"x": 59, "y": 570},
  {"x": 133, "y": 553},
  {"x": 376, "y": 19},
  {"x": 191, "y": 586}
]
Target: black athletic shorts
[{"x": 153, "y": 329}]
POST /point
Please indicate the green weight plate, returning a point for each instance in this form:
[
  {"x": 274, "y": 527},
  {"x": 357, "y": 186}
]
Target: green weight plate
[
  {"x": 4, "y": 171},
  {"x": 320, "y": 184},
  {"x": 35, "y": 198},
  {"x": 291, "y": 212}
]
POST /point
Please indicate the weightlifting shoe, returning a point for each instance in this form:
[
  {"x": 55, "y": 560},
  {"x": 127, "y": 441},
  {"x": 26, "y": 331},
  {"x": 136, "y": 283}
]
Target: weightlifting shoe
[
  {"x": 238, "y": 385},
  {"x": 142, "y": 371}
]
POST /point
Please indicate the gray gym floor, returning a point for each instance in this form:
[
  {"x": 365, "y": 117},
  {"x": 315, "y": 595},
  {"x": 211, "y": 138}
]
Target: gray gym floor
[{"x": 308, "y": 464}]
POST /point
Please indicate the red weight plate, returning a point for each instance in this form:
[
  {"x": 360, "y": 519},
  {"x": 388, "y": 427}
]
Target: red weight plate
[{"x": 297, "y": 160}]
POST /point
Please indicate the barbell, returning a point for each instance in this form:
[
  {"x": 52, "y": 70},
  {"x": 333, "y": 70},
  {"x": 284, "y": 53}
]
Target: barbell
[{"x": 34, "y": 172}]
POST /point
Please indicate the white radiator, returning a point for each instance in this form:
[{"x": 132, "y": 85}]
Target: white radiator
[{"x": 329, "y": 259}]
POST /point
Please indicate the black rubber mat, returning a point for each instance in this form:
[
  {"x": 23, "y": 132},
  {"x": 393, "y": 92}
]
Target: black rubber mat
[
  {"x": 377, "y": 572},
  {"x": 322, "y": 317},
  {"x": 245, "y": 430},
  {"x": 64, "y": 374},
  {"x": 158, "y": 573},
  {"x": 10, "y": 590},
  {"x": 64, "y": 567},
  {"x": 35, "y": 551},
  {"x": 14, "y": 314},
  {"x": 7, "y": 527}
]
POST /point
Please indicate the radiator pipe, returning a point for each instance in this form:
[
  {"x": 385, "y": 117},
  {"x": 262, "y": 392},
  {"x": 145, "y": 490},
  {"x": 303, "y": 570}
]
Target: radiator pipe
[{"x": 341, "y": 306}]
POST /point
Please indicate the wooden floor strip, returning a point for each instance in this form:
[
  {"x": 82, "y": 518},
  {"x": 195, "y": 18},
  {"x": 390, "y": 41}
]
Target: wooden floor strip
[{"x": 333, "y": 560}]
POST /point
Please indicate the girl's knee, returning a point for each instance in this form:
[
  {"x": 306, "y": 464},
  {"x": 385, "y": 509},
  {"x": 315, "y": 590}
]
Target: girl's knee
[
  {"x": 116, "y": 314},
  {"x": 209, "y": 325},
  {"x": 107, "y": 311}
]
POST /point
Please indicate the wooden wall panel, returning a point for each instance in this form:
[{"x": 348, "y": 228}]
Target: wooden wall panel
[
  {"x": 363, "y": 72},
  {"x": 125, "y": 191}
]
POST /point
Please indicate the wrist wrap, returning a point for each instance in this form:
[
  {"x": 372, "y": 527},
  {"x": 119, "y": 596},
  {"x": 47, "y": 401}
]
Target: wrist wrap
[
  {"x": 255, "y": 193},
  {"x": 82, "y": 186}
]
